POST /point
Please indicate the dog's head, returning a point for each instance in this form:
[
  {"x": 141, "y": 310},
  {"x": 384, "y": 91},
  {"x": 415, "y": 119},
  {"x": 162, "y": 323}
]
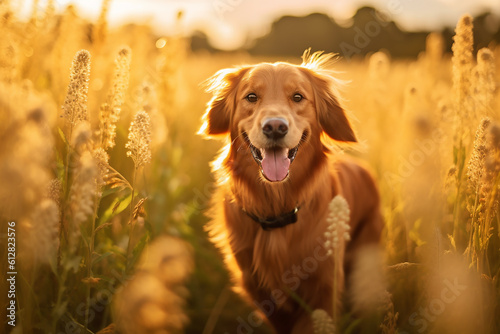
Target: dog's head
[{"x": 275, "y": 109}]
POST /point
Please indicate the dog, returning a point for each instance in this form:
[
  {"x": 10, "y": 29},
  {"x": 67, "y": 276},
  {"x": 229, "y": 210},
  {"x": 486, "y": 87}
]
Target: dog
[{"x": 275, "y": 179}]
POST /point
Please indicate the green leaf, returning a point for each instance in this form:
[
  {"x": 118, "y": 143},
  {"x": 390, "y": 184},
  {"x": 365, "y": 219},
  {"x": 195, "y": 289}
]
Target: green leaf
[
  {"x": 101, "y": 257},
  {"x": 452, "y": 241},
  {"x": 109, "y": 191},
  {"x": 62, "y": 135},
  {"x": 137, "y": 251},
  {"x": 352, "y": 326},
  {"x": 116, "y": 207},
  {"x": 414, "y": 233}
]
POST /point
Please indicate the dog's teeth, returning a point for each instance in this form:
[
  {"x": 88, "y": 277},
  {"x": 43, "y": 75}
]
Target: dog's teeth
[{"x": 259, "y": 153}]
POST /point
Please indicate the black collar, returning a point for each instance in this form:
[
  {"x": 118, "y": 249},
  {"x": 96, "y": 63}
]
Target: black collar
[{"x": 270, "y": 223}]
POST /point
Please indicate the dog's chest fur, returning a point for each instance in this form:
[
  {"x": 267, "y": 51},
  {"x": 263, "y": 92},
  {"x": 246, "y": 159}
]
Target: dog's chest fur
[{"x": 285, "y": 258}]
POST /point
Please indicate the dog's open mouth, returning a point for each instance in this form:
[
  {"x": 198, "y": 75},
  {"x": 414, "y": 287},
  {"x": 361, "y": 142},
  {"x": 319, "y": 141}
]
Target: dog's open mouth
[{"x": 274, "y": 162}]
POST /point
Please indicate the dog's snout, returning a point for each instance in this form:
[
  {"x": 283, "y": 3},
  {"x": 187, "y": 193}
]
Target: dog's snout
[{"x": 275, "y": 128}]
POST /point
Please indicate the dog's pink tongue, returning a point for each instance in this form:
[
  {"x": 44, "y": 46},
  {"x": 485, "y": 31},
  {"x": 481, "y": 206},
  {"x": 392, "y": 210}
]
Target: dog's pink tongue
[{"x": 275, "y": 163}]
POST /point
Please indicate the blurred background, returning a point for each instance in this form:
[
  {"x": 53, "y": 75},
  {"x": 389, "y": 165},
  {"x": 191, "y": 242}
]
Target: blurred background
[{"x": 288, "y": 27}]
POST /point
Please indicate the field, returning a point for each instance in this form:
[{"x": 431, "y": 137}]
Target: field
[{"x": 104, "y": 183}]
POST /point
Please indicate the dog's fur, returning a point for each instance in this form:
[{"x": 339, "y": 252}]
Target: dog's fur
[{"x": 273, "y": 267}]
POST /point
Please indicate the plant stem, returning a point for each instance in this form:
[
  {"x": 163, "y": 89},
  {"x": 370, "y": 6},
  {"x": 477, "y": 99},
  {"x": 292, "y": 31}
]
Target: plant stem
[
  {"x": 65, "y": 195},
  {"x": 60, "y": 290},
  {"x": 131, "y": 230},
  {"x": 89, "y": 259},
  {"x": 456, "y": 207}
]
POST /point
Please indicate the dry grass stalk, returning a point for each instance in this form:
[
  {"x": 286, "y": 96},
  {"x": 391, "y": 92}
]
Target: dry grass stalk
[
  {"x": 26, "y": 150},
  {"x": 484, "y": 81},
  {"x": 110, "y": 111},
  {"x": 148, "y": 101},
  {"x": 490, "y": 181},
  {"x": 121, "y": 77},
  {"x": 43, "y": 232},
  {"x": 102, "y": 160},
  {"x": 83, "y": 191},
  {"x": 75, "y": 104},
  {"x": 101, "y": 28},
  {"x": 475, "y": 167},
  {"x": 139, "y": 139},
  {"x": 390, "y": 322},
  {"x": 336, "y": 235},
  {"x": 483, "y": 181},
  {"x": 462, "y": 70},
  {"x": 54, "y": 191},
  {"x": 434, "y": 47},
  {"x": 378, "y": 68},
  {"x": 81, "y": 138}
]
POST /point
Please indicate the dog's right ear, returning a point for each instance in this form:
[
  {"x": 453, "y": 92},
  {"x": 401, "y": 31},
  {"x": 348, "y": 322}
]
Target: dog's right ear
[{"x": 222, "y": 85}]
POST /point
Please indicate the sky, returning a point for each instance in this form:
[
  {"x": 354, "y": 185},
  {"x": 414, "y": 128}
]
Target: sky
[{"x": 228, "y": 23}]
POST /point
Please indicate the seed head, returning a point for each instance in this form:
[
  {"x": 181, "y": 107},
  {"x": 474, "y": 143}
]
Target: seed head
[
  {"x": 44, "y": 231},
  {"x": 110, "y": 111},
  {"x": 338, "y": 223},
  {"x": 120, "y": 78},
  {"x": 475, "y": 168},
  {"x": 378, "y": 67},
  {"x": 75, "y": 104},
  {"x": 54, "y": 191},
  {"x": 102, "y": 160},
  {"x": 434, "y": 45},
  {"x": 139, "y": 139},
  {"x": 101, "y": 28},
  {"x": 462, "y": 67},
  {"x": 322, "y": 322},
  {"x": 81, "y": 138},
  {"x": 82, "y": 195},
  {"x": 484, "y": 79}
]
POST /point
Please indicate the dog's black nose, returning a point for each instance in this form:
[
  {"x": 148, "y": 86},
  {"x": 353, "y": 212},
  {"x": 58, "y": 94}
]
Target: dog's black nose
[{"x": 275, "y": 128}]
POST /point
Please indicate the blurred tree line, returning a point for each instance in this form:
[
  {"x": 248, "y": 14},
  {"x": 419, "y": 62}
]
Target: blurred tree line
[{"x": 369, "y": 31}]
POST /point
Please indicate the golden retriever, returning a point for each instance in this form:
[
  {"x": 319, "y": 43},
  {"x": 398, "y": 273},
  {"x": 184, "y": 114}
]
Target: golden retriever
[{"x": 275, "y": 180}]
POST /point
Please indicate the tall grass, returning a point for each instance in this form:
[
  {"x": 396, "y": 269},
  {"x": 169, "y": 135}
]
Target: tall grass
[
  {"x": 80, "y": 204},
  {"x": 99, "y": 234}
]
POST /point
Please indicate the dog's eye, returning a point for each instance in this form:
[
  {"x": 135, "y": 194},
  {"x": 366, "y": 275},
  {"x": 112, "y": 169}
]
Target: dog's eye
[
  {"x": 297, "y": 97},
  {"x": 252, "y": 97}
]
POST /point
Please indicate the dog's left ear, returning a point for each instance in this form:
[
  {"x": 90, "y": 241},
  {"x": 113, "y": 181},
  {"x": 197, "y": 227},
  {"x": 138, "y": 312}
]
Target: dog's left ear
[{"x": 331, "y": 115}]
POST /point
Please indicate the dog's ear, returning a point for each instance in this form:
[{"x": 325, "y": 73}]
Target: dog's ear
[
  {"x": 331, "y": 115},
  {"x": 217, "y": 118}
]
